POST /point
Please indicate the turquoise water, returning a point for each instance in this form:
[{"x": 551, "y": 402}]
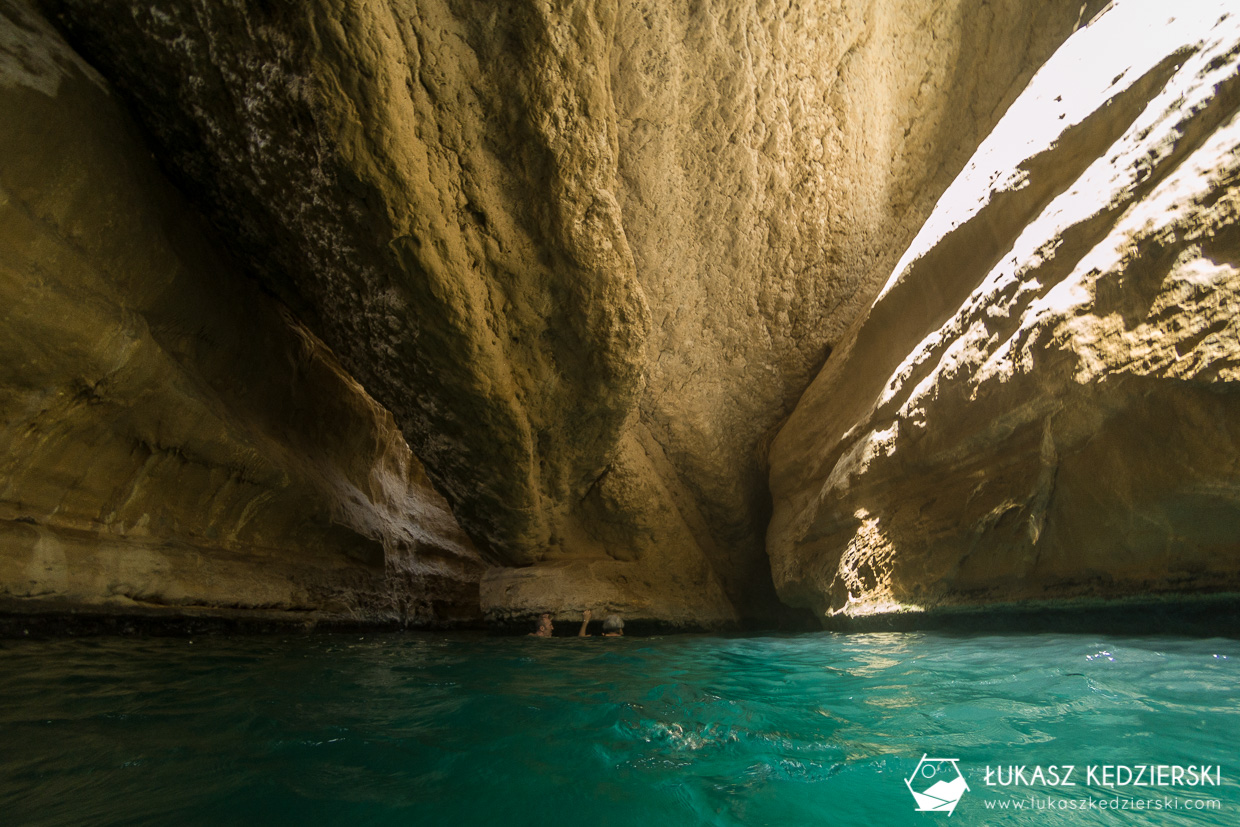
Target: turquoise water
[{"x": 458, "y": 729}]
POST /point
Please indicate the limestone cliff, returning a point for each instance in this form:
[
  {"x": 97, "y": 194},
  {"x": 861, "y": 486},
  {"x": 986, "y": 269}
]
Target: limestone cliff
[
  {"x": 587, "y": 253},
  {"x": 170, "y": 437},
  {"x": 1043, "y": 403}
]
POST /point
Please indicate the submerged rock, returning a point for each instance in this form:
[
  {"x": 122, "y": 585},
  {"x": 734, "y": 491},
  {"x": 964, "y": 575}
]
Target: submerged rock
[
  {"x": 171, "y": 438},
  {"x": 588, "y": 255},
  {"x": 1044, "y": 400}
]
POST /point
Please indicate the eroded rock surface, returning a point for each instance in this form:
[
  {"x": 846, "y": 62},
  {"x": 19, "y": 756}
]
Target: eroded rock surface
[
  {"x": 170, "y": 437},
  {"x": 588, "y": 254},
  {"x": 1044, "y": 400}
]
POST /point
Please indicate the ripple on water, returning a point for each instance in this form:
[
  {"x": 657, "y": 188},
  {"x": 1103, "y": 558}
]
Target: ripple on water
[{"x": 466, "y": 729}]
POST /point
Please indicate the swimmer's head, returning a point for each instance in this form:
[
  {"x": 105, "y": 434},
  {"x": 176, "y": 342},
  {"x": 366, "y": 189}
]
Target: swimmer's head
[{"x": 613, "y": 623}]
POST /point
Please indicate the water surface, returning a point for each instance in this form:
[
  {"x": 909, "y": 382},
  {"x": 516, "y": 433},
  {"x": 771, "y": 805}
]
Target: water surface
[{"x": 461, "y": 729}]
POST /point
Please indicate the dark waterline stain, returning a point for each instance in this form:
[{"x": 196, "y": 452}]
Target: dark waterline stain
[{"x": 1179, "y": 615}]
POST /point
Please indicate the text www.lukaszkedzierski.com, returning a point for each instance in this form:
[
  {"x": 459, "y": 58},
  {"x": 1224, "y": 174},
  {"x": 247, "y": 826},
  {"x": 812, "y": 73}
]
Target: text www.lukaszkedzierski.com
[{"x": 1166, "y": 803}]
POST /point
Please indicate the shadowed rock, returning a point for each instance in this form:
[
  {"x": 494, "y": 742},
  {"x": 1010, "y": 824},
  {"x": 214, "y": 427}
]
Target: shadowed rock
[
  {"x": 171, "y": 438},
  {"x": 588, "y": 255}
]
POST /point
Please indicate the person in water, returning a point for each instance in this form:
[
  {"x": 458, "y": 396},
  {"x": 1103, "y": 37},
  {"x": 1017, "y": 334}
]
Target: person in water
[
  {"x": 613, "y": 626},
  {"x": 545, "y": 627}
]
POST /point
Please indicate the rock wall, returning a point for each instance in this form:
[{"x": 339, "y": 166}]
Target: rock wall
[
  {"x": 170, "y": 437},
  {"x": 1043, "y": 403},
  {"x": 588, "y": 254}
]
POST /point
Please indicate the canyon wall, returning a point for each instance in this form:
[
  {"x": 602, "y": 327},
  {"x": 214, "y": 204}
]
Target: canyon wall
[
  {"x": 588, "y": 254},
  {"x": 171, "y": 438},
  {"x": 1043, "y": 403}
]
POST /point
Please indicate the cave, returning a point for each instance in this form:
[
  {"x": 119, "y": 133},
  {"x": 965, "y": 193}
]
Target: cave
[{"x": 822, "y": 323}]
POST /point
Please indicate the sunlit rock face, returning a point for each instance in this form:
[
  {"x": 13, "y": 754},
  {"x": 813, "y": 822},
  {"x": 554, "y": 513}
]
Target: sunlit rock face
[
  {"x": 588, "y": 254},
  {"x": 172, "y": 439},
  {"x": 1044, "y": 400}
]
